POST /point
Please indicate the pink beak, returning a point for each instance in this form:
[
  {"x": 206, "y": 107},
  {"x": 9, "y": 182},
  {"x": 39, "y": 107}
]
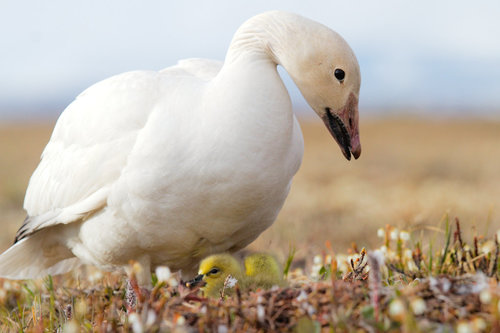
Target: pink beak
[{"x": 343, "y": 126}]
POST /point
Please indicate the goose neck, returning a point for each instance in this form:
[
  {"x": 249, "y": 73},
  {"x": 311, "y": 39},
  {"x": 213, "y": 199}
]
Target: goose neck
[{"x": 272, "y": 37}]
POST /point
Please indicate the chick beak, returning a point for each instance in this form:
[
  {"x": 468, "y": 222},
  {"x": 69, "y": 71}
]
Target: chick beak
[
  {"x": 197, "y": 281},
  {"x": 343, "y": 126}
]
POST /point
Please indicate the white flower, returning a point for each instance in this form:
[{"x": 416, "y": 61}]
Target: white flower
[
  {"x": 181, "y": 321},
  {"x": 391, "y": 255},
  {"x": 464, "y": 327},
  {"x": 379, "y": 256},
  {"x": 137, "y": 268},
  {"x": 411, "y": 266},
  {"x": 479, "y": 324},
  {"x": 404, "y": 235},
  {"x": 485, "y": 296},
  {"x": 316, "y": 266},
  {"x": 261, "y": 313},
  {"x": 418, "y": 306},
  {"x": 95, "y": 276},
  {"x": 71, "y": 327},
  {"x": 394, "y": 234},
  {"x": 302, "y": 296},
  {"x": 407, "y": 254},
  {"x": 151, "y": 318},
  {"x": 163, "y": 273},
  {"x": 315, "y": 271},
  {"x": 230, "y": 281},
  {"x": 135, "y": 320},
  {"x": 222, "y": 329},
  {"x": 488, "y": 247},
  {"x": 342, "y": 263},
  {"x": 381, "y": 232},
  {"x": 328, "y": 259},
  {"x": 396, "y": 308},
  {"x": 173, "y": 282},
  {"x": 442, "y": 284}
]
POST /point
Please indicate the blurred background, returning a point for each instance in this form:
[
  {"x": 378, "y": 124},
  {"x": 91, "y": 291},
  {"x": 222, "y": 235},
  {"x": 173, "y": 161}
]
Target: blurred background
[{"x": 429, "y": 104}]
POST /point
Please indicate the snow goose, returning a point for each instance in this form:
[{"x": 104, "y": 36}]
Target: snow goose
[{"x": 167, "y": 167}]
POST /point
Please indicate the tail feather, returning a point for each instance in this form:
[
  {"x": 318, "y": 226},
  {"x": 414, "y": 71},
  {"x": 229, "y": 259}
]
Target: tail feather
[{"x": 35, "y": 257}]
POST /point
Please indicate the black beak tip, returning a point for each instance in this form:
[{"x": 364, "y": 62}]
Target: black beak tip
[
  {"x": 338, "y": 130},
  {"x": 347, "y": 153},
  {"x": 198, "y": 280}
]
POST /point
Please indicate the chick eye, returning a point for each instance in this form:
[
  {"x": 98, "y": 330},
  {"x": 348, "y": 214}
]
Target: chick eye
[
  {"x": 214, "y": 270},
  {"x": 339, "y": 74}
]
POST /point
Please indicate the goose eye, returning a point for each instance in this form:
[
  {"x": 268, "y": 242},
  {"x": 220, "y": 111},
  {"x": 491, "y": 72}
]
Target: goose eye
[
  {"x": 214, "y": 270},
  {"x": 339, "y": 74}
]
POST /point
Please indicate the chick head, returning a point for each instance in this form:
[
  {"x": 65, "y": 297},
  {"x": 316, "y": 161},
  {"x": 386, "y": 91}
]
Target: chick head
[
  {"x": 263, "y": 271},
  {"x": 214, "y": 270}
]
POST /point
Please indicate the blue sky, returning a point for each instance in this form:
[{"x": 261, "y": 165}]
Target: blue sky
[{"x": 425, "y": 56}]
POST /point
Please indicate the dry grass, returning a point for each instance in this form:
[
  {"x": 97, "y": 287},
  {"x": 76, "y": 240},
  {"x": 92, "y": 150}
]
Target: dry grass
[
  {"x": 20, "y": 148},
  {"x": 455, "y": 288}
]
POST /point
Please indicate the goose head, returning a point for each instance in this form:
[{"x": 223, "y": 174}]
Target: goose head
[{"x": 326, "y": 71}]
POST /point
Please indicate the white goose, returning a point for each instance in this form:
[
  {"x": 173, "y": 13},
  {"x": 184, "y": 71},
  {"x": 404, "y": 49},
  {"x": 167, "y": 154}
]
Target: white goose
[{"x": 168, "y": 167}]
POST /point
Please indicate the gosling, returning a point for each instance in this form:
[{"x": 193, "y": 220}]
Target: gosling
[{"x": 261, "y": 271}]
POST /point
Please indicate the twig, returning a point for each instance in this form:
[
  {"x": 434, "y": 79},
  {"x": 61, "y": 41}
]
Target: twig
[
  {"x": 375, "y": 260},
  {"x": 495, "y": 261}
]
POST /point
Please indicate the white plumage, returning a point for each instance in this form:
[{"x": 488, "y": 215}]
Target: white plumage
[{"x": 167, "y": 167}]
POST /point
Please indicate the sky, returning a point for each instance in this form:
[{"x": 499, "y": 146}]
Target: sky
[{"x": 430, "y": 57}]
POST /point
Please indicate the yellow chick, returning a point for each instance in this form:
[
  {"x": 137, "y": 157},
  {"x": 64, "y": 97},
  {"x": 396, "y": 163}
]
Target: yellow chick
[
  {"x": 261, "y": 271},
  {"x": 214, "y": 270}
]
